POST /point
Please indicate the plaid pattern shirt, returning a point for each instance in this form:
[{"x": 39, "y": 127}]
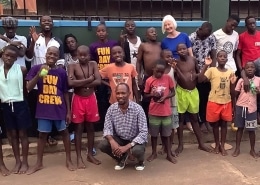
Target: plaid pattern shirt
[{"x": 131, "y": 126}]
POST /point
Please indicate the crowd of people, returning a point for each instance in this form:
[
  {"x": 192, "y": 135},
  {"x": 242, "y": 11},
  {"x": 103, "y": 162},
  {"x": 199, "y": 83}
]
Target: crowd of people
[{"x": 133, "y": 86}]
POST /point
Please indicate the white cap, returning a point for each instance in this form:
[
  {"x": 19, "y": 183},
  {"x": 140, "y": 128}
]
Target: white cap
[{"x": 168, "y": 18}]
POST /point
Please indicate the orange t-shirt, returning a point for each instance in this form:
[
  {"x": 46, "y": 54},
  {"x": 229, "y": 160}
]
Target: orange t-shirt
[{"x": 118, "y": 74}]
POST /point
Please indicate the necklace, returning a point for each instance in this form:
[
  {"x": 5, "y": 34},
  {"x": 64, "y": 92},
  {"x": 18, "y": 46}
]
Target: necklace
[{"x": 85, "y": 88}]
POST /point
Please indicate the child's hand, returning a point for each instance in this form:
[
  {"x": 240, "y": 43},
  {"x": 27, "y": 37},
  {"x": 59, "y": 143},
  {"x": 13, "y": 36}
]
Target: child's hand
[
  {"x": 208, "y": 61},
  {"x": 173, "y": 63},
  {"x": 162, "y": 99},
  {"x": 233, "y": 78}
]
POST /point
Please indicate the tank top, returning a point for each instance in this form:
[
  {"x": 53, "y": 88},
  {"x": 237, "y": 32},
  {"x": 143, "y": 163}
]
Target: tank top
[
  {"x": 11, "y": 86},
  {"x": 134, "y": 50}
]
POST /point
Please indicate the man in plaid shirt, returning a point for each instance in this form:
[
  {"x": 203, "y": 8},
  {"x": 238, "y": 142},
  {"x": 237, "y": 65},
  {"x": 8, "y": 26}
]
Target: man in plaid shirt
[{"x": 125, "y": 129}]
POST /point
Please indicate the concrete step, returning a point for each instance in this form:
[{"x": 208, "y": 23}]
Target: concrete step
[{"x": 188, "y": 137}]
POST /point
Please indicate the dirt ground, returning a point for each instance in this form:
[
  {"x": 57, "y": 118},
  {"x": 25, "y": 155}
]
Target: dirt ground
[{"x": 194, "y": 167}]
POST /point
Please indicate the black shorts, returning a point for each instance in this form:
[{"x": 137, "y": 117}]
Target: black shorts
[
  {"x": 16, "y": 115},
  {"x": 244, "y": 119}
]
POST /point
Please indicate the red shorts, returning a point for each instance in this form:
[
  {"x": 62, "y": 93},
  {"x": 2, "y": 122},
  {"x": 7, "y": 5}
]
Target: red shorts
[
  {"x": 216, "y": 112},
  {"x": 84, "y": 109}
]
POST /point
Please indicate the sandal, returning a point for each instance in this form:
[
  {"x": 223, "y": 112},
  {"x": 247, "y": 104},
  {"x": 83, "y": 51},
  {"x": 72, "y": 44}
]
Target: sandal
[{"x": 51, "y": 141}]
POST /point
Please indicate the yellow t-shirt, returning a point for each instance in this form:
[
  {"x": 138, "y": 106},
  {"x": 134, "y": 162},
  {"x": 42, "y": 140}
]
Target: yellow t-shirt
[{"x": 220, "y": 85}]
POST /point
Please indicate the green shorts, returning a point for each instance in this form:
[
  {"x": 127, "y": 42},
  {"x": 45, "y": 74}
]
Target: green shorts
[
  {"x": 160, "y": 124},
  {"x": 188, "y": 100}
]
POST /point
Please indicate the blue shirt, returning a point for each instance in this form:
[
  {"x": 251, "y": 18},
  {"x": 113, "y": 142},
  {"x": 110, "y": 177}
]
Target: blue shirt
[{"x": 172, "y": 43}]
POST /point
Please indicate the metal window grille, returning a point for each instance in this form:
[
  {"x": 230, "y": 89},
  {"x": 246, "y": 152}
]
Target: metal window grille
[
  {"x": 108, "y": 9},
  {"x": 243, "y": 8}
]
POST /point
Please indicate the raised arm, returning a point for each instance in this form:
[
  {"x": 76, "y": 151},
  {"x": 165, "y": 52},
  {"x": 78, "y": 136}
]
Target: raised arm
[
  {"x": 201, "y": 76},
  {"x": 34, "y": 77},
  {"x": 31, "y": 42}
]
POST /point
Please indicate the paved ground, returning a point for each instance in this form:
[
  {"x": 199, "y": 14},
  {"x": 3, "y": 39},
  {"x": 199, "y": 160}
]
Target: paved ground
[{"x": 194, "y": 167}]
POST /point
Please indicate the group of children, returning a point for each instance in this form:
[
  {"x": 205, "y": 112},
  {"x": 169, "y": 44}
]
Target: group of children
[{"x": 165, "y": 84}]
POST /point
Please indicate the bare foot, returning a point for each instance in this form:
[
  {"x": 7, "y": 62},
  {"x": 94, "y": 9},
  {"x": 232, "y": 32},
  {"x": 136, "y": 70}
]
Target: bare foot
[
  {"x": 162, "y": 151},
  {"x": 152, "y": 157},
  {"x": 24, "y": 168},
  {"x": 70, "y": 166},
  {"x": 236, "y": 152},
  {"x": 17, "y": 167},
  {"x": 174, "y": 154},
  {"x": 223, "y": 151},
  {"x": 171, "y": 159},
  {"x": 216, "y": 150},
  {"x": 4, "y": 170},
  {"x": 81, "y": 164},
  {"x": 93, "y": 160},
  {"x": 179, "y": 150},
  {"x": 253, "y": 154},
  {"x": 34, "y": 169},
  {"x": 204, "y": 148}
]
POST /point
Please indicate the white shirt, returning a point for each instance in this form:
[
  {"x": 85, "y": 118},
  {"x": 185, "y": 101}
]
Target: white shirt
[
  {"x": 40, "y": 49},
  {"x": 228, "y": 43},
  {"x": 23, "y": 40},
  {"x": 134, "y": 50}
]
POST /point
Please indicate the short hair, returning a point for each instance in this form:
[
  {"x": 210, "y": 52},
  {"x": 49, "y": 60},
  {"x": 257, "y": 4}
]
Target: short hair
[
  {"x": 249, "y": 17},
  {"x": 129, "y": 20},
  {"x": 222, "y": 51},
  {"x": 163, "y": 51},
  {"x": 45, "y": 16},
  {"x": 102, "y": 24},
  {"x": 160, "y": 62},
  {"x": 234, "y": 17},
  {"x": 207, "y": 25},
  {"x": 125, "y": 84},
  {"x": 66, "y": 49},
  {"x": 179, "y": 45},
  {"x": 12, "y": 48}
]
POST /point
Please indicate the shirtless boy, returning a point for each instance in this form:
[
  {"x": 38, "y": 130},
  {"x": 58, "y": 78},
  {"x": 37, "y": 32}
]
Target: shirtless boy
[
  {"x": 83, "y": 77},
  {"x": 186, "y": 69},
  {"x": 148, "y": 53}
]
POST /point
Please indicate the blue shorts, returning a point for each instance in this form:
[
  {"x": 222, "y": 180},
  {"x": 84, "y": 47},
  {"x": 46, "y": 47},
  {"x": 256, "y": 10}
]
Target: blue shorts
[
  {"x": 16, "y": 115},
  {"x": 45, "y": 125}
]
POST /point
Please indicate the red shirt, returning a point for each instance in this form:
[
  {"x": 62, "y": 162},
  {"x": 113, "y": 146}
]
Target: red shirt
[
  {"x": 249, "y": 46},
  {"x": 163, "y": 84}
]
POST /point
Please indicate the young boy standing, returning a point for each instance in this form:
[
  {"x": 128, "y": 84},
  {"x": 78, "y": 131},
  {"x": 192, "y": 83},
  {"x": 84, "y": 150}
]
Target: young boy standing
[
  {"x": 160, "y": 88},
  {"x": 130, "y": 42},
  {"x": 16, "y": 113},
  {"x": 84, "y": 77},
  {"x": 186, "y": 69},
  {"x": 148, "y": 53},
  {"x": 167, "y": 56},
  {"x": 219, "y": 107},
  {"x": 53, "y": 107},
  {"x": 100, "y": 51},
  {"x": 119, "y": 72},
  {"x": 246, "y": 108}
]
